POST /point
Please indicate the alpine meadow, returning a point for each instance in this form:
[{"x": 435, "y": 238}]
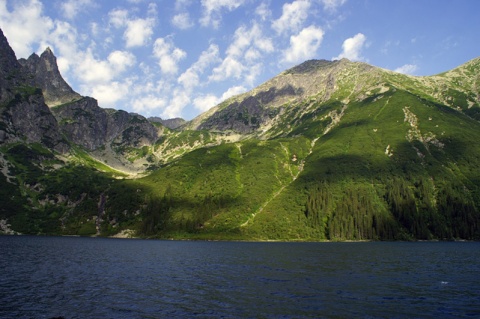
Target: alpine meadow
[{"x": 327, "y": 150}]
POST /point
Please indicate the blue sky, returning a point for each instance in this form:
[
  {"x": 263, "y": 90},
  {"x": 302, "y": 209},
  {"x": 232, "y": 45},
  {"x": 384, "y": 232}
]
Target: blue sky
[{"x": 179, "y": 58}]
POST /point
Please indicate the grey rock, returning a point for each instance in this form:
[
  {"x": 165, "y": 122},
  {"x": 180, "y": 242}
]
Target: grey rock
[{"x": 45, "y": 74}]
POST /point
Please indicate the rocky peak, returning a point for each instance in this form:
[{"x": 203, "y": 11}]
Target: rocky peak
[
  {"x": 252, "y": 111},
  {"x": 10, "y": 69},
  {"x": 8, "y": 60},
  {"x": 24, "y": 116},
  {"x": 46, "y": 75}
]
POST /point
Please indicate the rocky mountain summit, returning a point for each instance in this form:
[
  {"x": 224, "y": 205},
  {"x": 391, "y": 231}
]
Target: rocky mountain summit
[
  {"x": 41, "y": 107},
  {"x": 24, "y": 116},
  {"x": 47, "y": 77},
  {"x": 268, "y": 109}
]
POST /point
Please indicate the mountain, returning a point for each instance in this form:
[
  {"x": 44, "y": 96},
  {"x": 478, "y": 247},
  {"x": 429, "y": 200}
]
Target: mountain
[
  {"x": 46, "y": 76},
  {"x": 24, "y": 116},
  {"x": 326, "y": 150},
  {"x": 267, "y": 110}
]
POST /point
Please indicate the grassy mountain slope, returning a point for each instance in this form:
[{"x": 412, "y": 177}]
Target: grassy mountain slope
[{"x": 326, "y": 150}]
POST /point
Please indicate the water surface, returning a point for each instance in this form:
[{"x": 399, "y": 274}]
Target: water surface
[{"x": 44, "y": 277}]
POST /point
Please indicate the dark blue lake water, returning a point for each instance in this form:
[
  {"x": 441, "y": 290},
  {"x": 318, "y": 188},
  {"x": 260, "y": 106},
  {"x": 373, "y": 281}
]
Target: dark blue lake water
[{"x": 45, "y": 277}]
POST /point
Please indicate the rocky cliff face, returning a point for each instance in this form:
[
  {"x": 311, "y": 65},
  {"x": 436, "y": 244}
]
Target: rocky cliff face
[
  {"x": 255, "y": 111},
  {"x": 10, "y": 70},
  {"x": 88, "y": 125},
  {"x": 45, "y": 73},
  {"x": 277, "y": 106},
  {"x": 27, "y": 86},
  {"x": 24, "y": 116}
]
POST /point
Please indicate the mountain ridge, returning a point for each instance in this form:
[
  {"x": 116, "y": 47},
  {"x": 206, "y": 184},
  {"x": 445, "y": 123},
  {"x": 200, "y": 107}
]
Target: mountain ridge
[
  {"x": 326, "y": 150},
  {"x": 47, "y": 77}
]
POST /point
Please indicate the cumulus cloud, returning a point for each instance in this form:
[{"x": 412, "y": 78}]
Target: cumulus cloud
[
  {"x": 190, "y": 78},
  {"x": 293, "y": 16},
  {"x": 263, "y": 11},
  {"x": 182, "y": 4},
  {"x": 120, "y": 60},
  {"x": 108, "y": 94},
  {"x": 138, "y": 31},
  {"x": 212, "y": 10},
  {"x": 93, "y": 71},
  {"x": 168, "y": 55},
  {"x": 249, "y": 38},
  {"x": 118, "y": 17},
  {"x": 182, "y": 21},
  {"x": 234, "y": 90},
  {"x": 332, "y": 5},
  {"x": 205, "y": 102},
  {"x": 304, "y": 45},
  {"x": 179, "y": 100},
  {"x": 148, "y": 104},
  {"x": 63, "y": 38},
  {"x": 352, "y": 48},
  {"x": 72, "y": 8},
  {"x": 25, "y": 26},
  {"x": 229, "y": 68},
  {"x": 407, "y": 69},
  {"x": 248, "y": 46}
]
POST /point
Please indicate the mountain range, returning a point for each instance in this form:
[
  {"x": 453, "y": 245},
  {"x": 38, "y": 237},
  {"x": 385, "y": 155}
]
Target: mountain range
[{"x": 326, "y": 150}]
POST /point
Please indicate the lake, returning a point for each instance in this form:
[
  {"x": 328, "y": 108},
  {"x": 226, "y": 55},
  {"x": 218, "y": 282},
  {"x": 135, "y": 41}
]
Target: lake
[{"x": 74, "y": 277}]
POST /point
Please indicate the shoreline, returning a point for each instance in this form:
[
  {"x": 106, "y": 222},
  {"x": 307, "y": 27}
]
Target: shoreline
[{"x": 129, "y": 235}]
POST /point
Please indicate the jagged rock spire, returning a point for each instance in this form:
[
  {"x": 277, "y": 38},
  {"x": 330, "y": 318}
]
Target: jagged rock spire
[{"x": 47, "y": 77}]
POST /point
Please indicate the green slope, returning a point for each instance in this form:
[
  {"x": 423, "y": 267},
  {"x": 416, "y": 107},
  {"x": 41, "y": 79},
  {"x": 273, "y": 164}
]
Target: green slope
[{"x": 373, "y": 156}]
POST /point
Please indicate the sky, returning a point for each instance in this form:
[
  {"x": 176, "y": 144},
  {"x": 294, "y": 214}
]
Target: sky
[{"x": 178, "y": 58}]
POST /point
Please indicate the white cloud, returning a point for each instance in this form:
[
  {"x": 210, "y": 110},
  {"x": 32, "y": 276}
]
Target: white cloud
[
  {"x": 121, "y": 60},
  {"x": 205, "y": 102},
  {"x": 138, "y": 32},
  {"x": 212, "y": 8},
  {"x": 248, "y": 46},
  {"x": 253, "y": 72},
  {"x": 25, "y": 26},
  {"x": 407, "y": 69},
  {"x": 190, "y": 78},
  {"x": 263, "y": 11},
  {"x": 64, "y": 39},
  {"x": 352, "y": 48},
  {"x": 304, "y": 45},
  {"x": 182, "y": 21},
  {"x": 179, "y": 100},
  {"x": 118, "y": 17},
  {"x": 72, "y": 8},
  {"x": 90, "y": 70},
  {"x": 182, "y": 4},
  {"x": 234, "y": 90},
  {"x": 230, "y": 67},
  {"x": 168, "y": 55},
  {"x": 293, "y": 16},
  {"x": 93, "y": 72},
  {"x": 148, "y": 103},
  {"x": 332, "y": 5},
  {"x": 249, "y": 38},
  {"x": 108, "y": 94}
]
